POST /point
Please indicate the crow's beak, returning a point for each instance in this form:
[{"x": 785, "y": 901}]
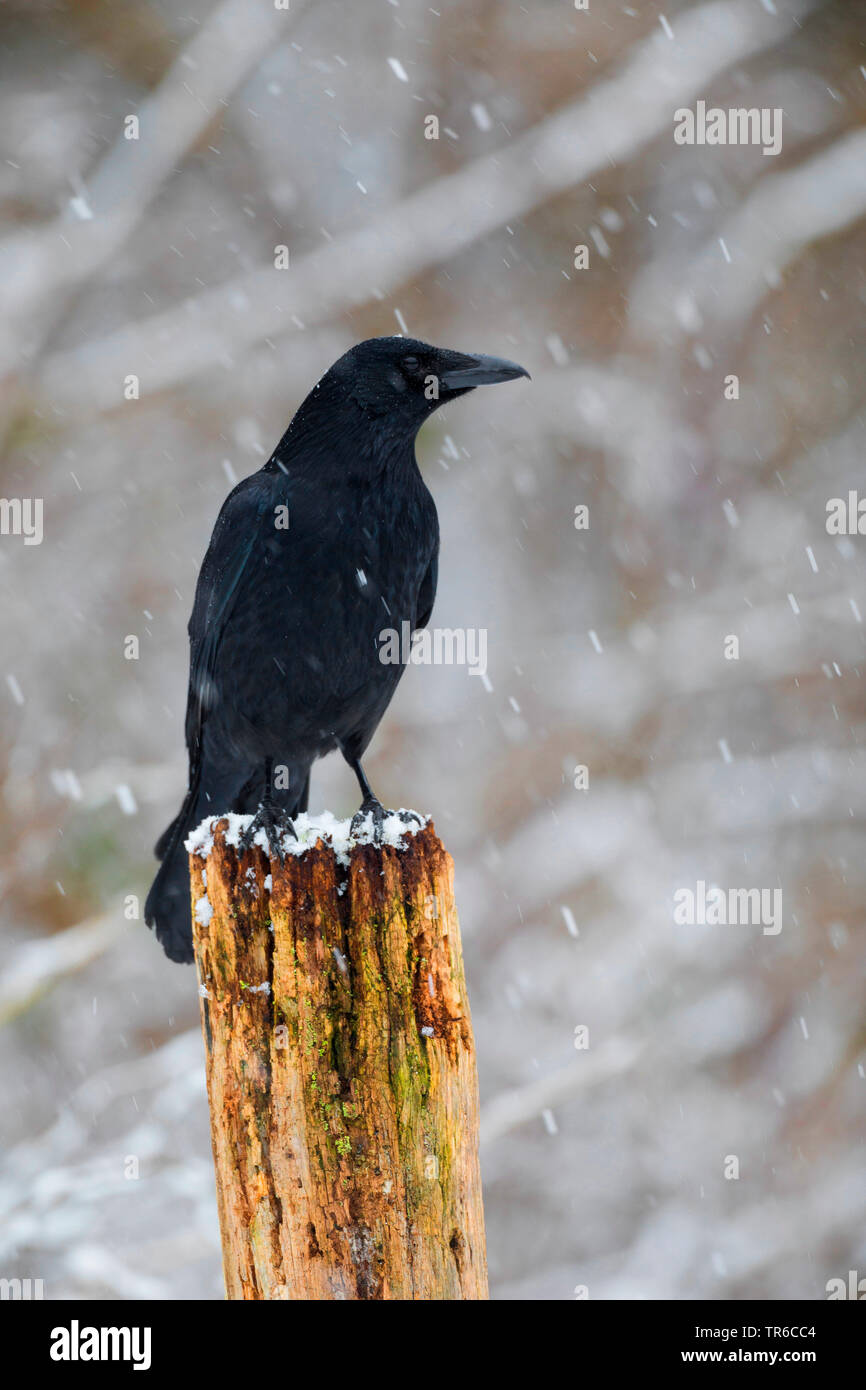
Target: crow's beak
[{"x": 480, "y": 371}]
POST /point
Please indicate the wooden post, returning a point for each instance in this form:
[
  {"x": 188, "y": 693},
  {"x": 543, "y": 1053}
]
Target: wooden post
[{"x": 340, "y": 1071}]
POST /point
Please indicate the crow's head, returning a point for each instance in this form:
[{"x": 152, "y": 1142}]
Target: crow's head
[{"x": 407, "y": 379}]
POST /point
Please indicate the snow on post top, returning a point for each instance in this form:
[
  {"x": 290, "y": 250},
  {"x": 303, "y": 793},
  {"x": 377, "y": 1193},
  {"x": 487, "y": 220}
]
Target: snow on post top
[{"x": 336, "y": 834}]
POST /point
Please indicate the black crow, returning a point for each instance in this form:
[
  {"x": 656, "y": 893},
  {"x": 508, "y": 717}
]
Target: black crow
[{"x": 311, "y": 558}]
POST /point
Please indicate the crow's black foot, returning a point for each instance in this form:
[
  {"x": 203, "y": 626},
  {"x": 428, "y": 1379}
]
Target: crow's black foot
[
  {"x": 275, "y": 823},
  {"x": 370, "y": 806}
]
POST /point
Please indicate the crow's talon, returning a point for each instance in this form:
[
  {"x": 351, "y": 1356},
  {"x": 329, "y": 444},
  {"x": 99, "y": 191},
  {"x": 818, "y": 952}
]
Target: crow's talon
[
  {"x": 370, "y": 806},
  {"x": 275, "y": 824}
]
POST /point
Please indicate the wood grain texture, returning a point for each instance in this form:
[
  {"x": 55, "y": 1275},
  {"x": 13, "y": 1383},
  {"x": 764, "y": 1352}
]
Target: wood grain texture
[{"x": 341, "y": 1074}]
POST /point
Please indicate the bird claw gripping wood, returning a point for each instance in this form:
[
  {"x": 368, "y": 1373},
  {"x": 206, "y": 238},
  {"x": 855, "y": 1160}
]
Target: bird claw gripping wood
[
  {"x": 371, "y": 806},
  {"x": 275, "y": 824}
]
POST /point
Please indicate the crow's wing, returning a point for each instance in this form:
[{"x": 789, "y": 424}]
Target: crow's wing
[
  {"x": 238, "y": 530},
  {"x": 427, "y": 592}
]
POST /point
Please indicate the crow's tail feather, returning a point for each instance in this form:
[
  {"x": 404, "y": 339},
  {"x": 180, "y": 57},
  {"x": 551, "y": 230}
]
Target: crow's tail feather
[
  {"x": 167, "y": 909},
  {"x": 168, "y": 834}
]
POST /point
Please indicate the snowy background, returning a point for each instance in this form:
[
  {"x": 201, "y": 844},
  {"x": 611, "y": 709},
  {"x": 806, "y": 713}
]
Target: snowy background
[{"x": 603, "y": 1167}]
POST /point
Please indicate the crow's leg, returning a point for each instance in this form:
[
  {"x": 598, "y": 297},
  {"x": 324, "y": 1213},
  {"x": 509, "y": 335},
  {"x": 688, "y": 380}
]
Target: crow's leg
[
  {"x": 371, "y": 805},
  {"x": 270, "y": 817}
]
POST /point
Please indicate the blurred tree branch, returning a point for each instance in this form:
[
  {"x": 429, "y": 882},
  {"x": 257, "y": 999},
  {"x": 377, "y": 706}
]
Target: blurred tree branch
[
  {"x": 511, "y": 1109},
  {"x": 605, "y": 127},
  {"x": 784, "y": 214},
  {"x": 41, "y": 964},
  {"x": 42, "y": 267}
]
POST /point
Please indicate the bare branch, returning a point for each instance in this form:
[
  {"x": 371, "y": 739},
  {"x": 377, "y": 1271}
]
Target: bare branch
[
  {"x": 511, "y": 1109},
  {"x": 40, "y": 965},
  {"x": 744, "y": 262},
  {"x": 40, "y": 267},
  {"x": 604, "y": 128}
]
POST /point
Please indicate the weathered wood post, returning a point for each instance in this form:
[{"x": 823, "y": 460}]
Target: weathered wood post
[{"x": 340, "y": 1067}]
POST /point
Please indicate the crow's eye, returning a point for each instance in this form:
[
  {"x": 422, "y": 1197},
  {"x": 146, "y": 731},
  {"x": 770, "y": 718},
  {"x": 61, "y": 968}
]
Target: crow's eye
[{"x": 411, "y": 364}]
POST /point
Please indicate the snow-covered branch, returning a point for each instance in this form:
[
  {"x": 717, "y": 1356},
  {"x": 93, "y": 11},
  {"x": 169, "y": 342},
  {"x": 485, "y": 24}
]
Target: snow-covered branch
[
  {"x": 41, "y": 266},
  {"x": 606, "y": 127},
  {"x": 745, "y": 260}
]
